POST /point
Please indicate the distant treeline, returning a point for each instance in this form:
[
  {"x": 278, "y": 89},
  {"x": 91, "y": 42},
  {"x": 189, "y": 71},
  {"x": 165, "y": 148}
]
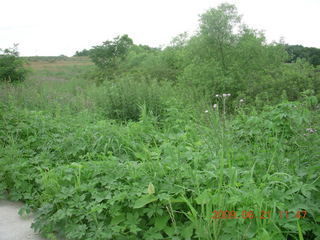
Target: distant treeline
[
  {"x": 311, "y": 54},
  {"x": 46, "y": 58},
  {"x": 83, "y": 53},
  {"x": 86, "y": 52}
]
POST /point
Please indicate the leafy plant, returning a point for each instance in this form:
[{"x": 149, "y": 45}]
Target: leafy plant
[
  {"x": 11, "y": 66},
  {"x": 108, "y": 55}
]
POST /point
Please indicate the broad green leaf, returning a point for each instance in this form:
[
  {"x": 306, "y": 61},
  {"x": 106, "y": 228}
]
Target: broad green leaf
[
  {"x": 118, "y": 219},
  {"x": 187, "y": 231},
  {"x": 144, "y": 200},
  {"x": 161, "y": 222}
]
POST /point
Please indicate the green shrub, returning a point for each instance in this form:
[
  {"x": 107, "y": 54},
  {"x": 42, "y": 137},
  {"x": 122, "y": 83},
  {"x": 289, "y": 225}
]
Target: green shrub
[
  {"x": 11, "y": 66},
  {"x": 110, "y": 54},
  {"x": 285, "y": 121},
  {"x": 122, "y": 100}
]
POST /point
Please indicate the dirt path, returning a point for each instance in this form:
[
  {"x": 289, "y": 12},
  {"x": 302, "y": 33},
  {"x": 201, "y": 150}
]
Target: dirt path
[{"x": 12, "y": 226}]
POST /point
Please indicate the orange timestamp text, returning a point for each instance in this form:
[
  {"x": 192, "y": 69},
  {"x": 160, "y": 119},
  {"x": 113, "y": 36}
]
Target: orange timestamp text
[{"x": 257, "y": 215}]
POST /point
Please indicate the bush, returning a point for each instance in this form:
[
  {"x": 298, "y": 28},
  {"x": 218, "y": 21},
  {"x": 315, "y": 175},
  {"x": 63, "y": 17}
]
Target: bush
[
  {"x": 11, "y": 66},
  {"x": 108, "y": 56},
  {"x": 122, "y": 100}
]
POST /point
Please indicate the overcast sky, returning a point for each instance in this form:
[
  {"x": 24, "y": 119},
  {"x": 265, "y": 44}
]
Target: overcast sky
[{"x": 48, "y": 28}]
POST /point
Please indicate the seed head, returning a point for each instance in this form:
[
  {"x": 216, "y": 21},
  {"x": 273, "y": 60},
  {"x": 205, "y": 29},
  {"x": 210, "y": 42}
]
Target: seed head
[{"x": 151, "y": 189}]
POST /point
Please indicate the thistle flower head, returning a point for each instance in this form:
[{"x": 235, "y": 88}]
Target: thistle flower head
[{"x": 311, "y": 130}]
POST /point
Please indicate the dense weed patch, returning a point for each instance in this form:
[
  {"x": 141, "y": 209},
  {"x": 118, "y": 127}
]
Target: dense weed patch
[
  {"x": 122, "y": 100},
  {"x": 98, "y": 179}
]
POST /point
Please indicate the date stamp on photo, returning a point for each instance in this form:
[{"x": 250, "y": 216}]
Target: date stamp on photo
[{"x": 257, "y": 215}]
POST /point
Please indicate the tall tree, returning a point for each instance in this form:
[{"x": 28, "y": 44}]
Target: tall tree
[{"x": 217, "y": 27}]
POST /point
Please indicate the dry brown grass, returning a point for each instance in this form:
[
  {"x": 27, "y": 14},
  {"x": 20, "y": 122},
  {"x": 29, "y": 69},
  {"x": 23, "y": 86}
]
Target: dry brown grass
[{"x": 48, "y": 63}]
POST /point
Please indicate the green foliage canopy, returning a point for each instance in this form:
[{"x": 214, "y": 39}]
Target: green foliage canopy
[
  {"x": 109, "y": 55},
  {"x": 225, "y": 56},
  {"x": 312, "y": 55},
  {"x": 11, "y": 66},
  {"x": 83, "y": 53}
]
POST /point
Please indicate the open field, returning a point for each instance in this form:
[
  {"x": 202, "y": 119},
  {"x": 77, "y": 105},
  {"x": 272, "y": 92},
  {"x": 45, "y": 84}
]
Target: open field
[{"x": 42, "y": 63}]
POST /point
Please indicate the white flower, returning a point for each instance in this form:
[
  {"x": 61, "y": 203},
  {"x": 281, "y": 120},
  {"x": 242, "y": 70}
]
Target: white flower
[
  {"x": 228, "y": 94},
  {"x": 310, "y": 130},
  {"x": 225, "y": 95},
  {"x": 215, "y": 105},
  {"x": 206, "y": 111},
  {"x": 217, "y": 95},
  {"x": 241, "y": 100}
]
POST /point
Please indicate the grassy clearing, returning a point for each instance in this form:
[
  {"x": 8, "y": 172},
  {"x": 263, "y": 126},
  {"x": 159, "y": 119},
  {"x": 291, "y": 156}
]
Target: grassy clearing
[
  {"x": 134, "y": 159},
  {"x": 55, "y": 63}
]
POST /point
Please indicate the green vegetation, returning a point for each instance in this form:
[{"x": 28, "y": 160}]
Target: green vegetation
[
  {"x": 213, "y": 137},
  {"x": 225, "y": 56},
  {"x": 46, "y": 58},
  {"x": 11, "y": 66},
  {"x": 312, "y": 55},
  {"x": 83, "y": 53},
  {"x": 108, "y": 56}
]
